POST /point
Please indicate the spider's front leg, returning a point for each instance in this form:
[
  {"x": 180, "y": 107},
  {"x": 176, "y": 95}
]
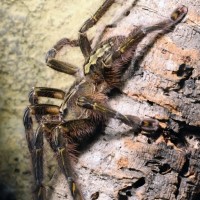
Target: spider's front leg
[
  {"x": 177, "y": 15},
  {"x": 58, "y": 65},
  {"x": 83, "y": 42},
  {"x": 138, "y": 124},
  {"x": 83, "y": 39},
  {"x": 115, "y": 61}
]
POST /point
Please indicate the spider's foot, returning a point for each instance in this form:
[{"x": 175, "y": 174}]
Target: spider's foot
[
  {"x": 179, "y": 13},
  {"x": 149, "y": 125},
  {"x": 139, "y": 124}
]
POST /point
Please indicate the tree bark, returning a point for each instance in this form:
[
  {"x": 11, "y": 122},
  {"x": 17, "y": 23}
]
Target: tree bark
[{"x": 165, "y": 86}]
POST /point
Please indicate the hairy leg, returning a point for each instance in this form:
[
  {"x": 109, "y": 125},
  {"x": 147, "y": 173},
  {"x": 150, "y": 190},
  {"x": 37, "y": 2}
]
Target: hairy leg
[
  {"x": 135, "y": 122},
  {"x": 83, "y": 42},
  {"x": 64, "y": 140},
  {"x": 135, "y": 37},
  {"x": 36, "y": 112},
  {"x": 35, "y": 143},
  {"x": 61, "y": 148},
  {"x": 58, "y": 65},
  {"x": 83, "y": 39},
  {"x": 115, "y": 63}
]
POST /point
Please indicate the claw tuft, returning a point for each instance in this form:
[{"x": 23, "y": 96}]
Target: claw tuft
[
  {"x": 179, "y": 13},
  {"x": 149, "y": 125}
]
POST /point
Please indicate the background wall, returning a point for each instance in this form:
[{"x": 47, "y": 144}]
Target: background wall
[{"x": 28, "y": 29}]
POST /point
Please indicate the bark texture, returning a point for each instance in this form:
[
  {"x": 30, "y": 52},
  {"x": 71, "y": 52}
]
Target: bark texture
[{"x": 165, "y": 85}]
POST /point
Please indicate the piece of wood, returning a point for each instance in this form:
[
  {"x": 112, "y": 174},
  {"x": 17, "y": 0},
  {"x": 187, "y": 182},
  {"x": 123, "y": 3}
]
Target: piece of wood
[{"x": 165, "y": 86}]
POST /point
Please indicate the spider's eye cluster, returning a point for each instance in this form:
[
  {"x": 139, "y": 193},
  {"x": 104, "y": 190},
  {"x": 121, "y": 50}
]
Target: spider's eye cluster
[{"x": 96, "y": 56}]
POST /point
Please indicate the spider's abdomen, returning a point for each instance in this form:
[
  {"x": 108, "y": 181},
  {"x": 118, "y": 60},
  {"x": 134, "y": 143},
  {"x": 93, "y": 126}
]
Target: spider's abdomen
[
  {"x": 82, "y": 124},
  {"x": 70, "y": 108}
]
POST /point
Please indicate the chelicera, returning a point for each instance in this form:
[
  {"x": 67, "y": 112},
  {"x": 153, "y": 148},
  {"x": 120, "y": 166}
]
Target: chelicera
[{"x": 84, "y": 110}]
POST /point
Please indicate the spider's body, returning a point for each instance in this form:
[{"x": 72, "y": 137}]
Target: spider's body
[
  {"x": 84, "y": 111},
  {"x": 84, "y": 122}
]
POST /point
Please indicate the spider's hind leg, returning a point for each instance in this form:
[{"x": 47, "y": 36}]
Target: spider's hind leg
[
  {"x": 61, "y": 148},
  {"x": 37, "y": 114},
  {"x": 35, "y": 145},
  {"x": 50, "y": 125},
  {"x": 66, "y": 139}
]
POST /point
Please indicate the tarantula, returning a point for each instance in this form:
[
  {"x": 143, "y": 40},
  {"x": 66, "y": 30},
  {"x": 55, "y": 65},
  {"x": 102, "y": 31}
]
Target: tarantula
[{"x": 84, "y": 111}]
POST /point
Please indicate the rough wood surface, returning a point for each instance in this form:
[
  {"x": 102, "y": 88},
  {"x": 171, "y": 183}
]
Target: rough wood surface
[{"x": 165, "y": 86}]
